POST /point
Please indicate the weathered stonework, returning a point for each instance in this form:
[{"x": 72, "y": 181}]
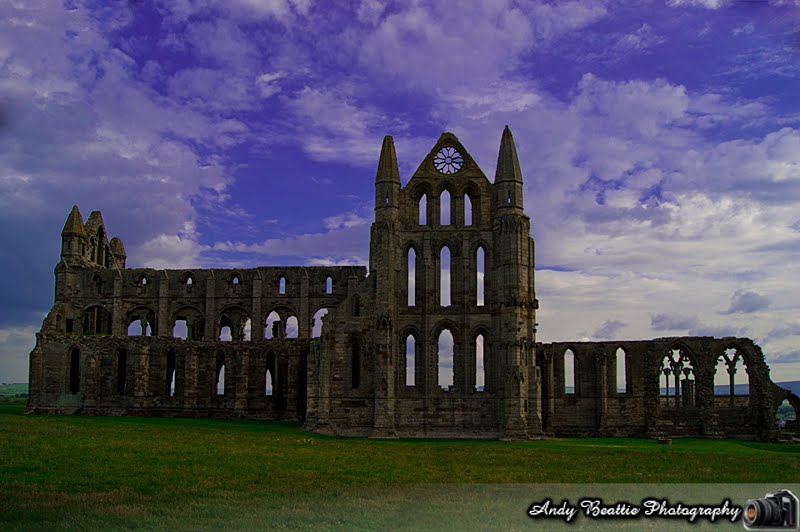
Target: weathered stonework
[{"x": 356, "y": 378}]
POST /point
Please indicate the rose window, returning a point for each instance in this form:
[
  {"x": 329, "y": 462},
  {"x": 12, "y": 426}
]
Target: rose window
[{"x": 448, "y": 160}]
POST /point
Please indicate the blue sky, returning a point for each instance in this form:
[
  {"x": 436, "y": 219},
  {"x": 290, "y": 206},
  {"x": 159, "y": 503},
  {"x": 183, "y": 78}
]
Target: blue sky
[{"x": 659, "y": 142}]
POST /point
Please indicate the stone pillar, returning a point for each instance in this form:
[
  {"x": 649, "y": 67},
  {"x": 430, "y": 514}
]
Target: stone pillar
[
  {"x": 190, "y": 379},
  {"x": 164, "y": 328},
  {"x": 304, "y": 320},
  {"x": 257, "y": 320},
  {"x": 212, "y": 331},
  {"x": 602, "y": 391},
  {"x": 141, "y": 392},
  {"x": 242, "y": 384},
  {"x": 118, "y": 320},
  {"x": 93, "y": 383}
]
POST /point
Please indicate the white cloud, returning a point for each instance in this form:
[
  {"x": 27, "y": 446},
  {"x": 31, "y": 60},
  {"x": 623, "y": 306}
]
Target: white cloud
[
  {"x": 747, "y": 302},
  {"x": 642, "y": 38},
  {"x": 266, "y": 83},
  {"x": 16, "y": 343},
  {"x": 747, "y": 29},
  {"x": 708, "y": 4}
]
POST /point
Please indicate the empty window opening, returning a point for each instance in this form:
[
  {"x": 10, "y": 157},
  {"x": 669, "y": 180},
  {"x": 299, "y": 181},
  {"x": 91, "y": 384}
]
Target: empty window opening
[
  {"x": 98, "y": 283},
  {"x": 235, "y": 280},
  {"x": 386, "y": 201},
  {"x": 282, "y": 286},
  {"x": 247, "y": 329},
  {"x": 423, "y": 210},
  {"x": 731, "y": 377},
  {"x": 411, "y": 355},
  {"x": 189, "y": 281},
  {"x": 74, "y": 371},
  {"x": 143, "y": 281},
  {"x": 269, "y": 376},
  {"x": 508, "y": 199},
  {"x": 622, "y": 375},
  {"x": 225, "y": 334},
  {"x": 273, "y": 326},
  {"x": 356, "y": 305},
  {"x": 328, "y": 285},
  {"x": 220, "y": 379},
  {"x": 569, "y": 372},
  {"x": 786, "y": 416},
  {"x": 316, "y": 322},
  {"x": 70, "y": 325},
  {"x": 480, "y": 265},
  {"x": 171, "y": 365},
  {"x": 292, "y": 328},
  {"x": 722, "y": 377},
  {"x": 355, "y": 364},
  {"x": 741, "y": 378},
  {"x": 444, "y": 277},
  {"x": 480, "y": 365},
  {"x": 677, "y": 379},
  {"x": 411, "y": 277},
  {"x": 122, "y": 370},
  {"x": 444, "y": 208},
  {"x": 444, "y": 356},
  {"x": 468, "y": 210},
  {"x": 180, "y": 329}
]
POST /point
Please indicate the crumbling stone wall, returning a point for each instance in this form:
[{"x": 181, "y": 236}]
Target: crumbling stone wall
[
  {"x": 85, "y": 361},
  {"x": 355, "y": 379},
  {"x": 596, "y": 407}
]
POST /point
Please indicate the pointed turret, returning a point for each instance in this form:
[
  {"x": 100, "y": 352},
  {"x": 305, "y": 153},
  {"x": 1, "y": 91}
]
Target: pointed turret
[
  {"x": 73, "y": 237},
  {"x": 508, "y": 178},
  {"x": 387, "y": 182},
  {"x": 387, "y": 163},
  {"x": 118, "y": 252},
  {"x": 74, "y": 224}
]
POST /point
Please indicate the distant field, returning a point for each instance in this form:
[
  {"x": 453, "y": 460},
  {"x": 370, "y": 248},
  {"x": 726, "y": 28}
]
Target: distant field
[
  {"x": 19, "y": 389},
  {"x": 89, "y": 472}
]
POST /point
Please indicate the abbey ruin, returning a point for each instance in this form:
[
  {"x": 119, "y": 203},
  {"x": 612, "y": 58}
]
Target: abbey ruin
[{"x": 436, "y": 339}]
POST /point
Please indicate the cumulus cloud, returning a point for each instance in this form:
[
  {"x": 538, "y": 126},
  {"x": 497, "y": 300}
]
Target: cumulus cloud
[
  {"x": 609, "y": 329},
  {"x": 672, "y": 322},
  {"x": 747, "y": 302}
]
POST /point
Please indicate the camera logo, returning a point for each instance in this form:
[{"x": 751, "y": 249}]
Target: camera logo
[{"x": 776, "y": 511}]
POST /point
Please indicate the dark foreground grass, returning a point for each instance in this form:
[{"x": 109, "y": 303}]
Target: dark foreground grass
[{"x": 76, "y": 472}]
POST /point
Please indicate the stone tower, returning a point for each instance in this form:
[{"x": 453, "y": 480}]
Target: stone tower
[{"x": 447, "y": 348}]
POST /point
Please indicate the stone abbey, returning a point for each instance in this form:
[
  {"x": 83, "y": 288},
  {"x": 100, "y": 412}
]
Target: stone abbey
[{"x": 436, "y": 339}]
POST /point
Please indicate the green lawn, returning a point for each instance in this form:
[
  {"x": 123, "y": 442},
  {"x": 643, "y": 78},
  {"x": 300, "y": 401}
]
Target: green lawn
[{"x": 76, "y": 472}]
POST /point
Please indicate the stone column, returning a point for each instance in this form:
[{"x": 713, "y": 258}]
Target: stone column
[
  {"x": 141, "y": 383},
  {"x": 242, "y": 384},
  {"x": 164, "y": 328},
  {"x": 304, "y": 320},
  {"x": 212, "y": 332},
  {"x": 257, "y": 320},
  {"x": 118, "y": 323}
]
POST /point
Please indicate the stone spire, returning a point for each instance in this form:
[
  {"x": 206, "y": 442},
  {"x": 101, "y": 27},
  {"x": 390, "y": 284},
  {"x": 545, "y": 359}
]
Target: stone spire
[
  {"x": 387, "y": 164},
  {"x": 507, "y": 161},
  {"x": 508, "y": 179},
  {"x": 74, "y": 224}
]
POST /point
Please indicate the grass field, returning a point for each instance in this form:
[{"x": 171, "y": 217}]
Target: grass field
[
  {"x": 19, "y": 389},
  {"x": 78, "y": 472}
]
